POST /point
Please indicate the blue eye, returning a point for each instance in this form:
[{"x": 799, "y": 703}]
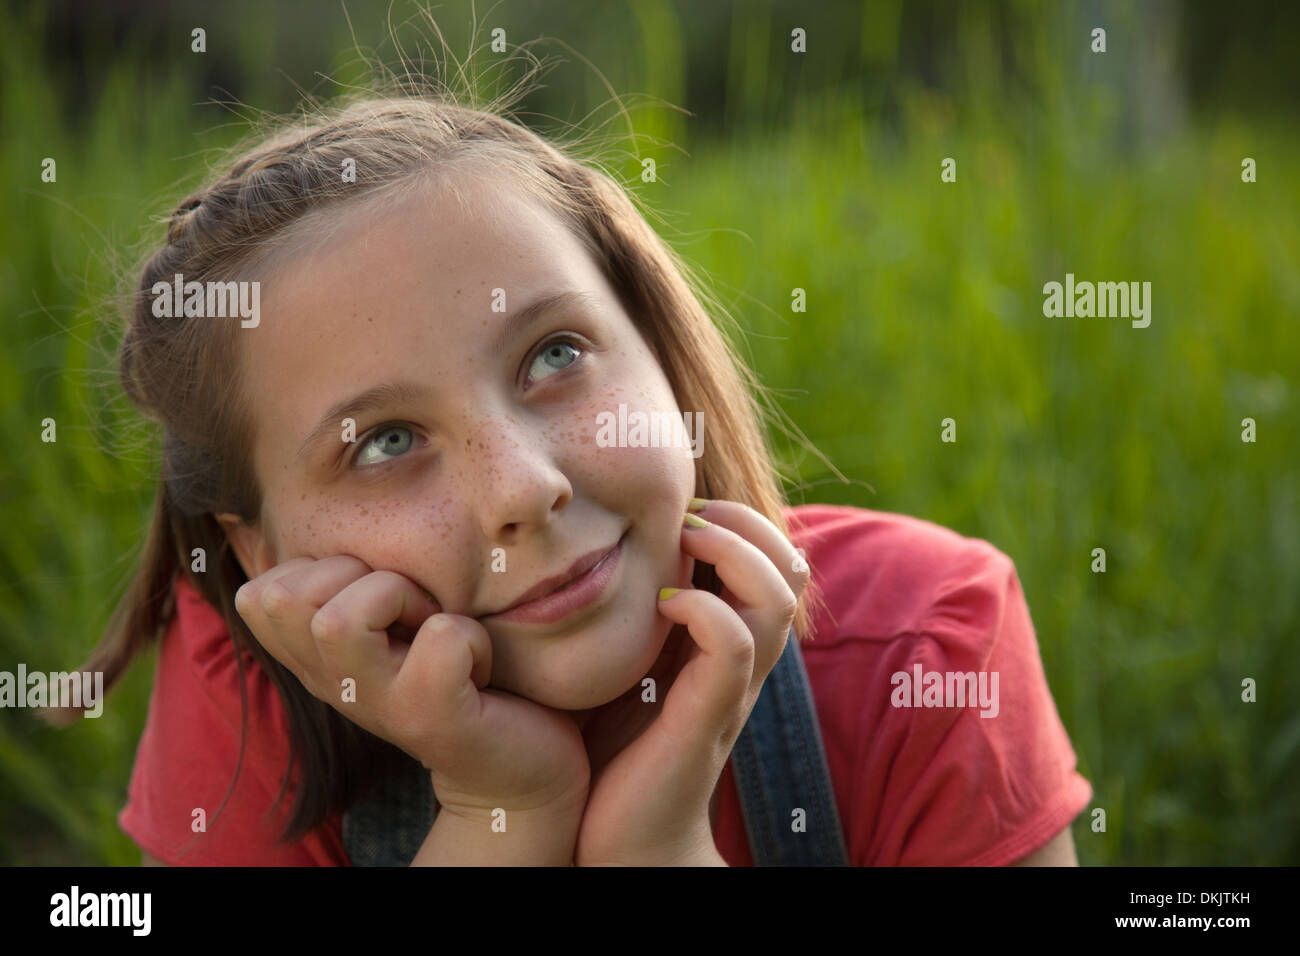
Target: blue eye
[
  {"x": 555, "y": 356},
  {"x": 393, "y": 438}
]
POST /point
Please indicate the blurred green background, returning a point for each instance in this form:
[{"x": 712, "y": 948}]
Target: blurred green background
[{"x": 821, "y": 171}]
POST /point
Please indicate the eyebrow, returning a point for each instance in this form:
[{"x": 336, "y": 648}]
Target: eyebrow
[
  {"x": 396, "y": 393},
  {"x": 517, "y": 322}
]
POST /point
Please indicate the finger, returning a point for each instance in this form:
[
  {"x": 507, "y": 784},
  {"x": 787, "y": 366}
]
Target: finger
[
  {"x": 282, "y": 602},
  {"x": 351, "y": 628},
  {"x": 766, "y": 603},
  {"x": 248, "y": 599},
  {"x": 248, "y": 604},
  {"x": 714, "y": 681},
  {"x": 310, "y": 584},
  {"x": 763, "y": 534},
  {"x": 457, "y": 725},
  {"x": 449, "y": 662}
]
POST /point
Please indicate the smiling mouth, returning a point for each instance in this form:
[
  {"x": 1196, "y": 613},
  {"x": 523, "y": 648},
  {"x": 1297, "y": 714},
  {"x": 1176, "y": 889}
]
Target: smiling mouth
[{"x": 557, "y": 597}]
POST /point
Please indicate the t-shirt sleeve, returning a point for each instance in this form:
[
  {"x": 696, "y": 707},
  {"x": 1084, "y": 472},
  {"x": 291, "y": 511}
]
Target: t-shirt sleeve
[
  {"x": 181, "y": 808},
  {"x": 979, "y": 781}
]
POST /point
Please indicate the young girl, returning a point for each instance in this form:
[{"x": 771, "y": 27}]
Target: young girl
[{"x": 390, "y": 534}]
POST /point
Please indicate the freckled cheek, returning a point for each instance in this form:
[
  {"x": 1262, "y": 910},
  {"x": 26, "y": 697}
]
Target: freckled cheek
[
  {"x": 636, "y": 481},
  {"x": 638, "y": 393},
  {"x": 410, "y": 541},
  {"x": 573, "y": 434}
]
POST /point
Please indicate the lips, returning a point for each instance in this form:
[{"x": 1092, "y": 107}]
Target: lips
[{"x": 552, "y": 584}]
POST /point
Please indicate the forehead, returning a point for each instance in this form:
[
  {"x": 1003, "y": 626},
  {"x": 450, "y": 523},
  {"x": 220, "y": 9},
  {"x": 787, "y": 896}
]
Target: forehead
[
  {"x": 430, "y": 254},
  {"x": 438, "y": 239},
  {"x": 403, "y": 287}
]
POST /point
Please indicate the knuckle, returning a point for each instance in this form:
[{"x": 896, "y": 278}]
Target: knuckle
[
  {"x": 777, "y": 649},
  {"x": 742, "y": 647},
  {"x": 443, "y": 630},
  {"x": 244, "y": 599},
  {"x": 789, "y": 605},
  {"x": 276, "y": 600},
  {"x": 329, "y": 625}
]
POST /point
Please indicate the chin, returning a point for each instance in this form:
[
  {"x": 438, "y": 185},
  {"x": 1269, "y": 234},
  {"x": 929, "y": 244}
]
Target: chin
[{"x": 596, "y": 678}]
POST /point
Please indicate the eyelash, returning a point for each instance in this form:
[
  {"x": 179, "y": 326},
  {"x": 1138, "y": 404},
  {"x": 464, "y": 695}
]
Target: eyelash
[
  {"x": 566, "y": 337},
  {"x": 563, "y": 337}
]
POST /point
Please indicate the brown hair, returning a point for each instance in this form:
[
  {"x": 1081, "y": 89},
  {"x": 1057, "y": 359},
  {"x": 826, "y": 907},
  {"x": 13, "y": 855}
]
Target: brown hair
[{"x": 185, "y": 376}]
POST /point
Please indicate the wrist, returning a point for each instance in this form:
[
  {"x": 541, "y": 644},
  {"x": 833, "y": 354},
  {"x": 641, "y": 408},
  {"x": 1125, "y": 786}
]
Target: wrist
[
  {"x": 500, "y": 836},
  {"x": 706, "y": 857},
  {"x": 705, "y": 853},
  {"x": 697, "y": 851}
]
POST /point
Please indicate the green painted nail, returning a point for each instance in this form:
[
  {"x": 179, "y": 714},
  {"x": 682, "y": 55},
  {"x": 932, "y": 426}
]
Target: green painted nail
[
  {"x": 693, "y": 521},
  {"x": 666, "y": 593},
  {"x": 698, "y": 504}
]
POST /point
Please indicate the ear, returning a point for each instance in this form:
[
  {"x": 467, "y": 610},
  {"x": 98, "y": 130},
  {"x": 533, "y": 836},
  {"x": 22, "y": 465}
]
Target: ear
[{"x": 252, "y": 550}]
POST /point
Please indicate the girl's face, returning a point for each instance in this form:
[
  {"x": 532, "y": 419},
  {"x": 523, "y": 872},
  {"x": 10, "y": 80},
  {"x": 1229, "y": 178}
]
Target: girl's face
[{"x": 475, "y": 469}]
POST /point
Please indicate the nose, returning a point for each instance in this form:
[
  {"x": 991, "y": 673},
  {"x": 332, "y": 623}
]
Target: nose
[{"x": 513, "y": 478}]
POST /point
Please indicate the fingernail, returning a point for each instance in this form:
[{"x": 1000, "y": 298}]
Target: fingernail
[
  {"x": 693, "y": 521},
  {"x": 666, "y": 593},
  {"x": 698, "y": 504}
]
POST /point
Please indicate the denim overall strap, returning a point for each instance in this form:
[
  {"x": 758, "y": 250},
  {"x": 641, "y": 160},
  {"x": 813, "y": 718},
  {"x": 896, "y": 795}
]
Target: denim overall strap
[
  {"x": 388, "y": 825},
  {"x": 780, "y": 765}
]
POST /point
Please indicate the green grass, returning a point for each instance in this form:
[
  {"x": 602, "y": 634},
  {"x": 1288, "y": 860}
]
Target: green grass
[{"x": 924, "y": 303}]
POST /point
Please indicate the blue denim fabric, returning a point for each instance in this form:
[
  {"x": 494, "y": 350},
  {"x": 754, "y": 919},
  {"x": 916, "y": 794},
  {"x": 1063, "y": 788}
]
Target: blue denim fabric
[
  {"x": 780, "y": 765},
  {"x": 388, "y": 825},
  {"x": 778, "y": 762}
]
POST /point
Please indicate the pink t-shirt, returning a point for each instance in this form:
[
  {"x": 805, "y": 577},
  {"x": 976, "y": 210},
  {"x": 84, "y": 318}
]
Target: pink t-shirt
[{"x": 915, "y": 785}]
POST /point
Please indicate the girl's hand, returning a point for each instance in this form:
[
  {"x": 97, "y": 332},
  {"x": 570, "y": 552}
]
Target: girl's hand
[
  {"x": 649, "y": 805},
  {"x": 328, "y": 621}
]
